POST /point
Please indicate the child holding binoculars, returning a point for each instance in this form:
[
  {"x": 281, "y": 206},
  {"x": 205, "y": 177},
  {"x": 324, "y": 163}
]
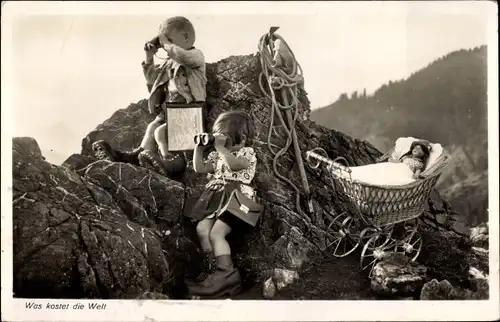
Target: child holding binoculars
[
  {"x": 180, "y": 79},
  {"x": 228, "y": 202}
]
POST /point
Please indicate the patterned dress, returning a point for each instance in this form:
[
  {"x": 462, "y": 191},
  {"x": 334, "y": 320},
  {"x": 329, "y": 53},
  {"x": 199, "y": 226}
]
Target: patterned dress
[
  {"x": 413, "y": 163},
  {"x": 212, "y": 200}
]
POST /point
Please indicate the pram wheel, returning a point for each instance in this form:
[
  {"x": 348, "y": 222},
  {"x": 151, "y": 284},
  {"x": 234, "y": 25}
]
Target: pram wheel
[
  {"x": 374, "y": 250},
  {"x": 411, "y": 244},
  {"x": 345, "y": 240},
  {"x": 384, "y": 239}
]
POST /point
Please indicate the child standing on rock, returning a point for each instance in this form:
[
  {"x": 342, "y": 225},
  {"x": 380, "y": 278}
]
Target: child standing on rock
[
  {"x": 180, "y": 79},
  {"x": 228, "y": 203}
]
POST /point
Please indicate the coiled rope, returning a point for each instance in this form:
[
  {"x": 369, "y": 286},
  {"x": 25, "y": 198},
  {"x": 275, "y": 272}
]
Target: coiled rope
[{"x": 287, "y": 82}]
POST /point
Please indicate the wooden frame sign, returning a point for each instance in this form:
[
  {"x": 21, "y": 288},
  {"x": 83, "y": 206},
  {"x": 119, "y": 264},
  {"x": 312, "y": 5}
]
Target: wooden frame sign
[{"x": 184, "y": 122}]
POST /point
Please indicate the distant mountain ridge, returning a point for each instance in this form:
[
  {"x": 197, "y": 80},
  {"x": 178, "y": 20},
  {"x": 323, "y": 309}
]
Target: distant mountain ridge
[{"x": 444, "y": 102}]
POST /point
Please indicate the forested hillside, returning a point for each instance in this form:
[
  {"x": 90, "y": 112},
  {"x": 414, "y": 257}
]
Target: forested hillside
[{"x": 444, "y": 102}]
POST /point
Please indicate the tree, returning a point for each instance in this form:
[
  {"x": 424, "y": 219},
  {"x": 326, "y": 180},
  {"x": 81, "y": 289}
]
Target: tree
[{"x": 343, "y": 97}]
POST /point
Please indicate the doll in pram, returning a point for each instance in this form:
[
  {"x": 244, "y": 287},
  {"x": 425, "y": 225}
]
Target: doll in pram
[{"x": 382, "y": 196}]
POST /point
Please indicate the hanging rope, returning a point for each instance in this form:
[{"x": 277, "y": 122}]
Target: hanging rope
[{"x": 286, "y": 82}]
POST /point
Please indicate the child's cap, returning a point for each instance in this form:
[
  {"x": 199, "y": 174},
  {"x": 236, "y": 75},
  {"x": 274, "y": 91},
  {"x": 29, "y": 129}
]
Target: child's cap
[{"x": 178, "y": 23}]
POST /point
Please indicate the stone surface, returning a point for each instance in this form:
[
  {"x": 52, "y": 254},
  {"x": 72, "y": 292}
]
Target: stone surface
[
  {"x": 435, "y": 290},
  {"x": 444, "y": 290},
  {"x": 78, "y": 162},
  {"x": 147, "y": 198},
  {"x": 395, "y": 275},
  {"x": 268, "y": 288},
  {"x": 71, "y": 240},
  {"x": 479, "y": 236},
  {"x": 278, "y": 280},
  {"x": 439, "y": 216},
  {"x": 284, "y": 277},
  {"x": 447, "y": 256}
]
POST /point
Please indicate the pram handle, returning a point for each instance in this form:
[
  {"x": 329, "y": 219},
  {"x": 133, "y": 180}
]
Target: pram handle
[{"x": 331, "y": 163}]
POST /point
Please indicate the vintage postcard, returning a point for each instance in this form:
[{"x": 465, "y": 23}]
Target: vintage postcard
[{"x": 250, "y": 161}]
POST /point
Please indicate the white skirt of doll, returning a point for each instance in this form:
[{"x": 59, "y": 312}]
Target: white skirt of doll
[{"x": 381, "y": 174}]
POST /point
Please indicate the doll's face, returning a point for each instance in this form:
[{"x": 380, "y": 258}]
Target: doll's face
[
  {"x": 176, "y": 37},
  {"x": 417, "y": 152}
]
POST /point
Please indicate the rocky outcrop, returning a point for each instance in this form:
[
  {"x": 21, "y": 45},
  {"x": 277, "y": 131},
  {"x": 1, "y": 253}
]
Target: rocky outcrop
[
  {"x": 279, "y": 279},
  {"x": 98, "y": 229},
  {"x": 72, "y": 240},
  {"x": 447, "y": 257},
  {"x": 396, "y": 275},
  {"x": 443, "y": 290},
  {"x": 480, "y": 235},
  {"x": 120, "y": 229},
  {"x": 441, "y": 217}
]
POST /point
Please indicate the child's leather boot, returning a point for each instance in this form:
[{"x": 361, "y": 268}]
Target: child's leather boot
[
  {"x": 103, "y": 151},
  {"x": 207, "y": 269},
  {"x": 226, "y": 280},
  {"x": 130, "y": 156},
  {"x": 170, "y": 166}
]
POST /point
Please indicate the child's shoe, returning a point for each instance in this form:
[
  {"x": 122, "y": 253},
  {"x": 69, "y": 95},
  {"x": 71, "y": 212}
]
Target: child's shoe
[
  {"x": 130, "y": 156},
  {"x": 208, "y": 266},
  {"x": 225, "y": 281},
  {"x": 103, "y": 151},
  {"x": 207, "y": 270},
  {"x": 170, "y": 166}
]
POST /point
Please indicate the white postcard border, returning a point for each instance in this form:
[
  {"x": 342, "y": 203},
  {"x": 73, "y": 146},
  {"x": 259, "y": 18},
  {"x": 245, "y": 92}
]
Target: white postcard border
[{"x": 135, "y": 310}]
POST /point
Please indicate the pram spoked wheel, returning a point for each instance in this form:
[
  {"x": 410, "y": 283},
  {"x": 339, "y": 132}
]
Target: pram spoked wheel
[
  {"x": 341, "y": 235},
  {"x": 375, "y": 249},
  {"x": 411, "y": 243},
  {"x": 384, "y": 239}
]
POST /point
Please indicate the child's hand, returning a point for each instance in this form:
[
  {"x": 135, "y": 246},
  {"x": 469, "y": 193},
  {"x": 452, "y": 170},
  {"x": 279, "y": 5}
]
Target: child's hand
[
  {"x": 417, "y": 175},
  {"x": 220, "y": 140},
  {"x": 150, "y": 50}
]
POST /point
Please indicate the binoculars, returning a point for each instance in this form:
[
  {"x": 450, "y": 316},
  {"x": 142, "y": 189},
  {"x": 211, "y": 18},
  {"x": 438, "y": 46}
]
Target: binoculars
[
  {"x": 204, "y": 139},
  {"x": 153, "y": 43}
]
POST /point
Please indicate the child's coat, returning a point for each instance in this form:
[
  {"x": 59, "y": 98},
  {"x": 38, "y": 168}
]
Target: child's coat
[{"x": 158, "y": 76}]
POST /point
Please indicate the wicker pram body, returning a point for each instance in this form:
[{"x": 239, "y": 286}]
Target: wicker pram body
[
  {"x": 385, "y": 205},
  {"x": 376, "y": 209}
]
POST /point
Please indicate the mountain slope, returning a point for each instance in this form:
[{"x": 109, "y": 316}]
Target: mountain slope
[{"x": 445, "y": 102}]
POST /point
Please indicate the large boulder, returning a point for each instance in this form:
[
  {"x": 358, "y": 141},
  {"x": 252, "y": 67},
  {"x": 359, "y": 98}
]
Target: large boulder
[
  {"x": 445, "y": 256},
  {"x": 285, "y": 237},
  {"x": 72, "y": 240},
  {"x": 99, "y": 229},
  {"x": 444, "y": 290},
  {"x": 397, "y": 276}
]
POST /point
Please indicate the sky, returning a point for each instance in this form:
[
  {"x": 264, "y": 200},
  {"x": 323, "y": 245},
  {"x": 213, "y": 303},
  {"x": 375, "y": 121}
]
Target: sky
[{"x": 71, "y": 72}]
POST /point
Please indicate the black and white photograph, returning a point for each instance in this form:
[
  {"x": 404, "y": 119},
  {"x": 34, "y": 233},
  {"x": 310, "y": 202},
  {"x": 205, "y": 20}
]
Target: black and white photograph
[{"x": 292, "y": 160}]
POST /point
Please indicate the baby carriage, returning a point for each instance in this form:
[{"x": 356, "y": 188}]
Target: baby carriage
[{"x": 380, "y": 218}]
